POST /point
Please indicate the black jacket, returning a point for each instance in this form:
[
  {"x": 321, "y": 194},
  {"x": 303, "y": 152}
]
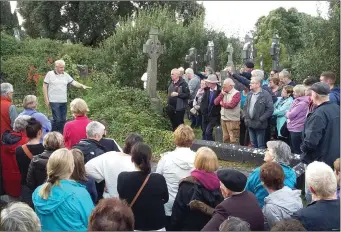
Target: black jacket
[
  {"x": 181, "y": 101},
  {"x": 321, "y": 134},
  {"x": 263, "y": 110},
  {"x": 90, "y": 148},
  {"x": 109, "y": 144},
  {"x": 37, "y": 174},
  {"x": 193, "y": 218},
  {"x": 322, "y": 215},
  {"x": 210, "y": 112},
  {"x": 244, "y": 206}
]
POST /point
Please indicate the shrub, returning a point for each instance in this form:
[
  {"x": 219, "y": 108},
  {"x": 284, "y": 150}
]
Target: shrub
[{"x": 9, "y": 46}]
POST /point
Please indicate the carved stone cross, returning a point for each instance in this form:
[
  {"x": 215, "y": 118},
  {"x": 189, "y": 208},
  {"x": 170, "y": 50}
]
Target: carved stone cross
[
  {"x": 153, "y": 49},
  {"x": 229, "y": 51},
  {"x": 209, "y": 56},
  {"x": 192, "y": 59}
]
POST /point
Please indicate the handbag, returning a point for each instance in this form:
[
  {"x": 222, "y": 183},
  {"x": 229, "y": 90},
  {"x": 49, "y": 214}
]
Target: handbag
[{"x": 139, "y": 192}]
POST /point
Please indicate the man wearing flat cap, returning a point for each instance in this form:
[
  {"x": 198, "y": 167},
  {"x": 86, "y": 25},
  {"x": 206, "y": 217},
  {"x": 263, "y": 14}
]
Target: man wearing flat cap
[
  {"x": 321, "y": 133},
  {"x": 209, "y": 109},
  {"x": 237, "y": 203}
]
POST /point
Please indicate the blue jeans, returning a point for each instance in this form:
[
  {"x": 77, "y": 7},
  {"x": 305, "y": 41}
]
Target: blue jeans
[
  {"x": 59, "y": 111},
  {"x": 257, "y": 137}
]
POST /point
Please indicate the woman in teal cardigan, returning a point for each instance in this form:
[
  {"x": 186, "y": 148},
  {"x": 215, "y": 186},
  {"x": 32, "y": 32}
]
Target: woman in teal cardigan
[{"x": 281, "y": 106}]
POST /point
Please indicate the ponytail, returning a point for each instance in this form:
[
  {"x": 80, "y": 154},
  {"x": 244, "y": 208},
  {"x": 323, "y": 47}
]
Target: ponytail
[
  {"x": 141, "y": 155},
  {"x": 46, "y": 188}
]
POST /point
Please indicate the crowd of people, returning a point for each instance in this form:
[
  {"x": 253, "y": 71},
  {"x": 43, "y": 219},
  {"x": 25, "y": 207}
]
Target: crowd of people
[{"x": 79, "y": 180}]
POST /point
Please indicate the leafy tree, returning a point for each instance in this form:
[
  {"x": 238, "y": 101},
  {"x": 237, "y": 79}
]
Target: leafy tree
[
  {"x": 89, "y": 22},
  {"x": 8, "y": 21}
]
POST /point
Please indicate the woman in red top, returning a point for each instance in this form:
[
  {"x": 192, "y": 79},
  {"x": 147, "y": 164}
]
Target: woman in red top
[
  {"x": 9, "y": 142},
  {"x": 74, "y": 130}
]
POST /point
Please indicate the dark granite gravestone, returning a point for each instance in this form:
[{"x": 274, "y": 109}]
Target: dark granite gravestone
[
  {"x": 275, "y": 52},
  {"x": 192, "y": 59},
  {"x": 242, "y": 154},
  {"x": 209, "y": 57}
]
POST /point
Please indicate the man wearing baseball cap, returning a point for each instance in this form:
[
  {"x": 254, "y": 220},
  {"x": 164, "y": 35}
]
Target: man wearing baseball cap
[
  {"x": 321, "y": 133},
  {"x": 237, "y": 203}
]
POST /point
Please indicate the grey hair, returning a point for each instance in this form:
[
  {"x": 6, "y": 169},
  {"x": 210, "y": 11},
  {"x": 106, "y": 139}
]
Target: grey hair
[
  {"x": 285, "y": 73},
  {"x": 229, "y": 81},
  {"x": 189, "y": 71},
  {"x": 181, "y": 69},
  {"x": 6, "y": 88},
  {"x": 59, "y": 62},
  {"x": 94, "y": 128},
  {"x": 210, "y": 70},
  {"x": 259, "y": 74},
  {"x": 20, "y": 123},
  {"x": 282, "y": 151},
  {"x": 320, "y": 177},
  {"x": 30, "y": 102},
  {"x": 18, "y": 216},
  {"x": 234, "y": 224}
]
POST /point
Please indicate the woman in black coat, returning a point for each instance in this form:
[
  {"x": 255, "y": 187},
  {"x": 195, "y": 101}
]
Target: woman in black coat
[
  {"x": 26, "y": 152},
  {"x": 148, "y": 208},
  {"x": 37, "y": 173},
  {"x": 201, "y": 188}
]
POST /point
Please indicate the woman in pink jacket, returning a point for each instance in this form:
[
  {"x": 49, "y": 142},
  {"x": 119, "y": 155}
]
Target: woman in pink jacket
[{"x": 296, "y": 116}]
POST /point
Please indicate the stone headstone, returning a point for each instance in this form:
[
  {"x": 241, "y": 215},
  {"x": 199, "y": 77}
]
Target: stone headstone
[
  {"x": 192, "y": 59},
  {"x": 261, "y": 61},
  {"x": 249, "y": 52},
  {"x": 275, "y": 52},
  {"x": 230, "y": 63},
  {"x": 209, "y": 57},
  {"x": 153, "y": 49}
]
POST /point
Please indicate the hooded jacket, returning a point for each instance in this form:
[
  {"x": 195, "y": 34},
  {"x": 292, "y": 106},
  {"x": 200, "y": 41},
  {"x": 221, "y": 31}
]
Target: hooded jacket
[
  {"x": 281, "y": 205},
  {"x": 10, "y": 169},
  {"x": 175, "y": 166},
  {"x": 334, "y": 95},
  {"x": 297, "y": 114},
  {"x": 254, "y": 184},
  {"x": 67, "y": 208}
]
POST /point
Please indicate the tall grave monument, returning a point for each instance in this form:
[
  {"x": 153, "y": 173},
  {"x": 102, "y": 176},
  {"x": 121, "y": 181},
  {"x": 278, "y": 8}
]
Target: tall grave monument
[
  {"x": 153, "y": 49},
  {"x": 209, "y": 56},
  {"x": 275, "y": 52},
  {"x": 249, "y": 52},
  {"x": 192, "y": 59}
]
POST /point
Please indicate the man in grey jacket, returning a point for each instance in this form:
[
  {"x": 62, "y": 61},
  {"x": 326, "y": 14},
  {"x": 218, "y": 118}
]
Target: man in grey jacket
[
  {"x": 257, "y": 110},
  {"x": 194, "y": 86}
]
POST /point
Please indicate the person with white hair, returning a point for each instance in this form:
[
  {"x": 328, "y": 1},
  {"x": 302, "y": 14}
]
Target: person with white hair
[
  {"x": 55, "y": 93},
  {"x": 18, "y": 216},
  {"x": 9, "y": 142},
  {"x": 285, "y": 78},
  {"x": 258, "y": 109},
  {"x": 182, "y": 74},
  {"x": 90, "y": 147},
  {"x": 8, "y": 110},
  {"x": 178, "y": 94},
  {"x": 229, "y": 100},
  {"x": 279, "y": 152},
  {"x": 194, "y": 86},
  {"x": 323, "y": 214},
  {"x": 30, "y": 105}
]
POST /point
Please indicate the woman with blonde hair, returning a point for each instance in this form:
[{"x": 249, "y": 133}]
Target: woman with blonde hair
[
  {"x": 61, "y": 203},
  {"x": 202, "y": 187},
  {"x": 36, "y": 174},
  {"x": 75, "y": 130},
  {"x": 30, "y": 105},
  {"x": 178, "y": 164}
]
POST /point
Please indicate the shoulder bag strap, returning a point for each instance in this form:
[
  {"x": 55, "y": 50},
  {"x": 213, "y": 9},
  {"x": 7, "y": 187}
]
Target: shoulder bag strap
[
  {"x": 139, "y": 192},
  {"x": 27, "y": 151}
]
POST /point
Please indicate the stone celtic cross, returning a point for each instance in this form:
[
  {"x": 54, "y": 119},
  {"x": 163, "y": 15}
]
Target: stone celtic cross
[
  {"x": 229, "y": 51},
  {"x": 192, "y": 58},
  {"x": 153, "y": 49}
]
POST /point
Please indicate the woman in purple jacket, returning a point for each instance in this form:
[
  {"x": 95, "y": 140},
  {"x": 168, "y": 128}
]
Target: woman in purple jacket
[{"x": 296, "y": 115}]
